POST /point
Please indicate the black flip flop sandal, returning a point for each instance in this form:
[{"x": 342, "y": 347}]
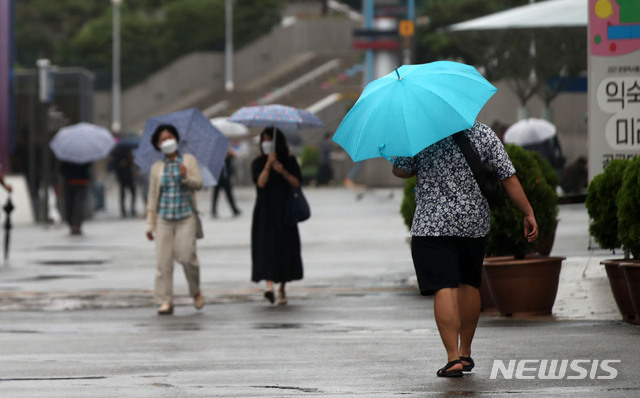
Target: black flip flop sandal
[
  {"x": 270, "y": 296},
  {"x": 452, "y": 373},
  {"x": 467, "y": 368}
]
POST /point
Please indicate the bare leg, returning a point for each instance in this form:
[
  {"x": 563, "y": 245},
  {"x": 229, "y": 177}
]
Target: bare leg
[
  {"x": 282, "y": 299},
  {"x": 448, "y": 322},
  {"x": 469, "y": 309}
]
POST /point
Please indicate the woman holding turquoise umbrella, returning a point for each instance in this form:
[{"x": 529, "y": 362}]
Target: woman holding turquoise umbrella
[
  {"x": 275, "y": 241},
  {"x": 449, "y": 230},
  {"x": 411, "y": 114}
]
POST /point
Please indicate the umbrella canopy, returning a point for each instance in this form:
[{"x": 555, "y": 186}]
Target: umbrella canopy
[
  {"x": 529, "y": 131},
  {"x": 229, "y": 128},
  {"x": 274, "y": 115},
  {"x": 543, "y": 14},
  {"x": 197, "y": 137},
  {"x": 405, "y": 111},
  {"x": 82, "y": 143}
]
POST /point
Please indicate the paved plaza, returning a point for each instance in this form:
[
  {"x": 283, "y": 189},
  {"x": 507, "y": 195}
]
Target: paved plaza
[{"x": 78, "y": 317}]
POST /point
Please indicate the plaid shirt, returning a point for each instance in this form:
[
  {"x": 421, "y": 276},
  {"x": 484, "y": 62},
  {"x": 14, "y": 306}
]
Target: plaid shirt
[{"x": 175, "y": 197}]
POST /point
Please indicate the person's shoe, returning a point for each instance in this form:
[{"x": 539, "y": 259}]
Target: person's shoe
[
  {"x": 470, "y": 366},
  {"x": 165, "y": 309},
  {"x": 270, "y": 296},
  {"x": 198, "y": 301},
  {"x": 444, "y": 372},
  {"x": 282, "y": 299},
  {"x": 237, "y": 213}
]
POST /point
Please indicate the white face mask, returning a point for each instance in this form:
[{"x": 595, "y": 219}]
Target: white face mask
[
  {"x": 267, "y": 147},
  {"x": 169, "y": 146}
]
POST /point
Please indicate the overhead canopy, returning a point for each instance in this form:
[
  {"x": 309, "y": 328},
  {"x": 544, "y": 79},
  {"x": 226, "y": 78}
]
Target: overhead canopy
[{"x": 543, "y": 14}]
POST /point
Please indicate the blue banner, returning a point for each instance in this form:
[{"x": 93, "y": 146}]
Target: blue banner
[{"x": 6, "y": 81}]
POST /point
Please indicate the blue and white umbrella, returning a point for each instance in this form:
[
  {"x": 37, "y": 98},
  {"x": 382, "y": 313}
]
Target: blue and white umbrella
[
  {"x": 274, "y": 115},
  {"x": 82, "y": 143},
  {"x": 197, "y": 137}
]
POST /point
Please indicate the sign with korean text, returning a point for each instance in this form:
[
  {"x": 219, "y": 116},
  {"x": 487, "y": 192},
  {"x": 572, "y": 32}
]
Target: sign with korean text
[{"x": 614, "y": 82}]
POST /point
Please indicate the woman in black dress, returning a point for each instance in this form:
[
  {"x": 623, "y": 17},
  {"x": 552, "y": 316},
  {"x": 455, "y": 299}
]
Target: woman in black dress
[{"x": 275, "y": 242}]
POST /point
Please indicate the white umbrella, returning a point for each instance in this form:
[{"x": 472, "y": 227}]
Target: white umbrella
[
  {"x": 229, "y": 128},
  {"x": 543, "y": 14},
  {"x": 529, "y": 131},
  {"x": 82, "y": 143}
]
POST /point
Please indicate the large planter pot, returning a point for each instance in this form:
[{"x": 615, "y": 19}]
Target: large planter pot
[
  {"x": 544, "y": 246},
  {"x": 525, "y": 287},
  {"x": 619, "y": 288},
  {"x": 632, "y": 276}
]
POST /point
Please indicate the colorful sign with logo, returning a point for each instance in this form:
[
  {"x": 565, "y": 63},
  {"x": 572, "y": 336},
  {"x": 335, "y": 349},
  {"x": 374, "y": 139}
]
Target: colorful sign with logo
[
  {"x": 614, "y": 82},
  {"x": 6, "y": 95}
]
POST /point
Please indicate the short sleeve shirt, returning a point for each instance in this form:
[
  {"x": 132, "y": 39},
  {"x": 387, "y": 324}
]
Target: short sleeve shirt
[{"x": 448, "y": 198}]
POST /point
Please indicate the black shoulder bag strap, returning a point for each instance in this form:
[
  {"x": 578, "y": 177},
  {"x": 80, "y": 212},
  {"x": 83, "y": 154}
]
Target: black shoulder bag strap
[
  {"x": 486, "y": 178},
  {"x": 470, "y": 154}
]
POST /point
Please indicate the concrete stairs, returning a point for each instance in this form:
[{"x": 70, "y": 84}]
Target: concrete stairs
[{"x": 258, "y": 91}]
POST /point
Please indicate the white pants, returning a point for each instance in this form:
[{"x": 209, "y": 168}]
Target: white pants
[{"x": 176, "y": 240}]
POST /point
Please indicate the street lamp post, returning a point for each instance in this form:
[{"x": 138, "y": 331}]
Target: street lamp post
[
  {"x": 45, "y": 95},
  {"x": 115, "y": 95},
  {"x": 228, "y": 48}
]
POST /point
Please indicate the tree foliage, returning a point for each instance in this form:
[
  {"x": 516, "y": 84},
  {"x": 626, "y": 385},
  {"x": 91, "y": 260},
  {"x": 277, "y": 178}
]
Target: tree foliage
[{"x": 153, "y": 32}]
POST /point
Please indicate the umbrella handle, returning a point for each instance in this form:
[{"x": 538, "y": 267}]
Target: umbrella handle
[{"x": 381, "y": 150}]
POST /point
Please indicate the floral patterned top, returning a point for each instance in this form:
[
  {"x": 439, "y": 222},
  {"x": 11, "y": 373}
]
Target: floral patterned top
[{"x": 448, "y": 199}]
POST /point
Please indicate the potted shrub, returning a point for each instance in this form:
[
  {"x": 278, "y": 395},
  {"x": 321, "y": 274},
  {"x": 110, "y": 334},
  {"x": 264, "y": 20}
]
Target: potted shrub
[
  {"x": 602, "y": 208},
  {"x": 521, "y": 281},
  {"x": 628, "y": 201},
  {"x": 544, "y": 246}
]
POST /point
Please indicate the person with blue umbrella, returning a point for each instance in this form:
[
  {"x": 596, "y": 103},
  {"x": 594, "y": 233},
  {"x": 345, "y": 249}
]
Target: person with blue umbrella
[
  {"x": 172, "y": 216},
  {"x": 449, "y": 230},
  {"x": 410, "y": 117}
]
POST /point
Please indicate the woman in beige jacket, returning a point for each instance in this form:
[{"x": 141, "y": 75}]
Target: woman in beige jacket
[{"x": 171, "y": 214}]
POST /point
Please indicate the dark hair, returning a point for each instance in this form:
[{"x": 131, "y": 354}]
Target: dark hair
[
  {"x": 282, "y": 149},
  {"x": 156, "y": 134}
]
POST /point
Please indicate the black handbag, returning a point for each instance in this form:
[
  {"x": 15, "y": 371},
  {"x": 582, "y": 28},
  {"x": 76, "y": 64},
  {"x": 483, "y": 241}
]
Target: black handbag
[
  {"x": 298, "y": 207},
  {"x": 485, "y": 175}
]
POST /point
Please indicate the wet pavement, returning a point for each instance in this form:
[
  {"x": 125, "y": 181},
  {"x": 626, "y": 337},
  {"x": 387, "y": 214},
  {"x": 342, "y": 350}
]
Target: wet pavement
[{"x": 78, "y": 317}]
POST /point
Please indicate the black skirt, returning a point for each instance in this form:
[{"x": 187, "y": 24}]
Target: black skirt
[{"x": 447, "y": 262}]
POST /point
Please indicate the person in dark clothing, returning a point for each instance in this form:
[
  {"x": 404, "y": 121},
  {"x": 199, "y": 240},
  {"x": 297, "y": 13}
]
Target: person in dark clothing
[
  {"x": 76, "y": 185},
  {"x": 123, "y": 167},
  {"x": 275, "y": 241},
  {"x": 224, "y": 182},
  {"x": 325, "y": 172}
]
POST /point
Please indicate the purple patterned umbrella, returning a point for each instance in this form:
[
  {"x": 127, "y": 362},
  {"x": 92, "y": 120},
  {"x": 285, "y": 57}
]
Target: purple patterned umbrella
[
  {"x": 274, "y": 115},
  {"x": 197, "y": 137}
]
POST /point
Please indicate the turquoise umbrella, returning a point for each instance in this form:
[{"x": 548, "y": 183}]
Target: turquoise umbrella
[{"x": 411, "y": 108}]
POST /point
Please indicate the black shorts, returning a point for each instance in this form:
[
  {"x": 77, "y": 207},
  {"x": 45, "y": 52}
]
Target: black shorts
[{"x": 447, "y": 262}]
